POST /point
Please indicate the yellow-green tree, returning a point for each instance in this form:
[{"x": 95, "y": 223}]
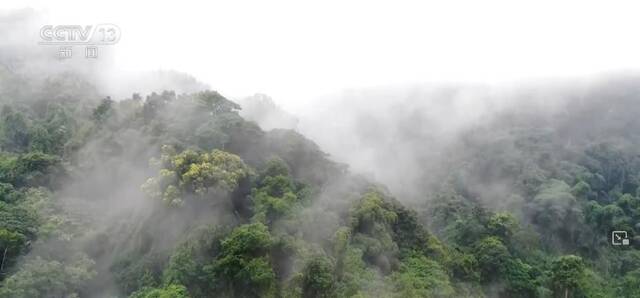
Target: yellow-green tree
[{"x": 195, "y": 174}]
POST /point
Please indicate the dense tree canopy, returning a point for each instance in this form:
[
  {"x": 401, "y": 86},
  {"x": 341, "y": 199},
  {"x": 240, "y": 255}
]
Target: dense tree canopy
[{"x": 176, "y": 195}]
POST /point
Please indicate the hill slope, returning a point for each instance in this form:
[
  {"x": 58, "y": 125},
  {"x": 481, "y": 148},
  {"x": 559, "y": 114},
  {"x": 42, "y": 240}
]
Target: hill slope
[{"x": 179, "y": 196}]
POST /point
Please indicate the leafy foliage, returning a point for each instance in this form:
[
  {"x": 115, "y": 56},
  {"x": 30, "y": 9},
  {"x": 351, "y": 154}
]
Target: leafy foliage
[
  {"x": 519, "y": 212},
  {"x": 195, "y": 174},
  {"x": 42, "y": 278}
]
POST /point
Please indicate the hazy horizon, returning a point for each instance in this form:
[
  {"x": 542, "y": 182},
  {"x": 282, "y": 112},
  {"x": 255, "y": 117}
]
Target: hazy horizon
[{"x": 297, "y": 53}]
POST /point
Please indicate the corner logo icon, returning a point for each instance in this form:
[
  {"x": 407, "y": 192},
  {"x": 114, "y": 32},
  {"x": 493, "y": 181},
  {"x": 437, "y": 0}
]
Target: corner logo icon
[
  {"x": 619, "y": 238},
  {"x": 101, "y": 34}
]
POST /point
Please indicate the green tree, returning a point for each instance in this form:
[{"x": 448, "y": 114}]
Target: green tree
[
  {"x": 42, "y": 278},
  {"x": 276, "y": 196},
  {"x": 191, "y": 173},
  {"x": 216, "y": 103},
  {"x": 103, "y": 111},
  {"x": 9, "y": 194},
  {"x": 318, "y": 280},
  {"x": 14, "y": 130},
  {"x": 183, "y": 267},
  {"x": 629, "y": 285},
  {"x": 170, "y": 291},
  {"x": 581, "y": 189},
  {"x": 372, "y": 220},
  {"x": 502, "y": 225},
  {"x": 492, "y": 258},
  {"x": 557, "y": 213},
  {"x": 243, "y": 266},
  {"x": 567, "y": 273},
  {"x": 421, "y": 277},
  {"x": 521, "y": 279}
]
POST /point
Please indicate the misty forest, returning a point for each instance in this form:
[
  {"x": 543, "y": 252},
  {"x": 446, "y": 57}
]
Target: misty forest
[
  {"x": 178, "y": 195},
  {"x": 425, "y": 191}
]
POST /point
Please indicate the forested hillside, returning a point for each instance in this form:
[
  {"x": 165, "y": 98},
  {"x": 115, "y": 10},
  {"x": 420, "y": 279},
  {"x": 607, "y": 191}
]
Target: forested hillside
[{"x": 176, "y": 195}]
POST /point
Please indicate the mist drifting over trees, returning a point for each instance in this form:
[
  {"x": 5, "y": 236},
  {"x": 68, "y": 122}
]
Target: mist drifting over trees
[{"x": 155, "y": 185}]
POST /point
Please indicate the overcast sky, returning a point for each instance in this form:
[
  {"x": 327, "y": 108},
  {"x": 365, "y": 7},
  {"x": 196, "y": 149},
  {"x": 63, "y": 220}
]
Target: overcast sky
[{"x": 298, "y": 50}]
